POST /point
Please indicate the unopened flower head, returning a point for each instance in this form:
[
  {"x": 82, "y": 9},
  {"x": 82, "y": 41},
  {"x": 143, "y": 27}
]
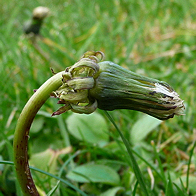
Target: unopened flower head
[
  {"x": 33, "y": 25},
  {"x": 91, "y": 84},
  {"x": 40, "y": 12}
]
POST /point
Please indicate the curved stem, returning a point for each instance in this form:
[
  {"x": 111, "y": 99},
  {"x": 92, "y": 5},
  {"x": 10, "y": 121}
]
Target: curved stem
[{"x": 21, "y": 135}]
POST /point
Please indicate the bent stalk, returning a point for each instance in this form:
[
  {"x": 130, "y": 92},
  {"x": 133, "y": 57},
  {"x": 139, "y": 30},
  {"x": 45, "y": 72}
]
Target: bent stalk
[{"x": 21, "y": 135}]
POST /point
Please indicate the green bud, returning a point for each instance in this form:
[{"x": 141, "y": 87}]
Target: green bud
[
  {"x": 89, "y": 84},
  {"x": 118, "y": 88}
]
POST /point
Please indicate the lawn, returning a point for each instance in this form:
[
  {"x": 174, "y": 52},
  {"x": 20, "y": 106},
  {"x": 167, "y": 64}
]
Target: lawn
[{"x": 77, "y": 154}]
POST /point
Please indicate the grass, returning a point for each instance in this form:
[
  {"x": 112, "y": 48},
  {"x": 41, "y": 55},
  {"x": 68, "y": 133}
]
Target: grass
[{"x": 154, "y": 38}]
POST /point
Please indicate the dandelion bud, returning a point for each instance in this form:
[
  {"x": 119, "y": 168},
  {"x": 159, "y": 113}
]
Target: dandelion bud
[
  {"x": 90, "y": 84},
  {"x": 33, "y": 26},
  {"x": 40, "y": 12}
]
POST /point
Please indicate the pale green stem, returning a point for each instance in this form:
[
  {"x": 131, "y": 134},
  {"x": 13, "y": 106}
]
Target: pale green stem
[{"x": 21, "y": 135}]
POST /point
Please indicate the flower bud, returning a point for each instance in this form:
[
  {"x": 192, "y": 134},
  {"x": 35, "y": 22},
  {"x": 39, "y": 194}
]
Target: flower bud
[
  {"x": 40, "y": 12},
  {"x": 90, "y": 84},
  {"x": 33, "y": 26}
]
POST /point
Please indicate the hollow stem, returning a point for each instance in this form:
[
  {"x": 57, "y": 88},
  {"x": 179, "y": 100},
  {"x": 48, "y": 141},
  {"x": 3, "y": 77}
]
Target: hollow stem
[{"x": 21, "y": 135}]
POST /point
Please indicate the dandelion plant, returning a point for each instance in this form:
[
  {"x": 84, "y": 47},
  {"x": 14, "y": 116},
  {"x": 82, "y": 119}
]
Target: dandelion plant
[
  {"x": 82, "y": 88},
  {"x": 33, "y": 26}
]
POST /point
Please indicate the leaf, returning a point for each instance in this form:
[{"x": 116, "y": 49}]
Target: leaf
[
  {"x": 94, "y": 173},
  {"x": 142, "y": 128},
  {"x": 45, "y": 141},
  {"x": 91, "y": 128},
  {"x": 46, "y": 160},
  {"x": 37, "y": 125},
  {"x": 192, "y": 182},
  {"x": 113, "y": 191}
]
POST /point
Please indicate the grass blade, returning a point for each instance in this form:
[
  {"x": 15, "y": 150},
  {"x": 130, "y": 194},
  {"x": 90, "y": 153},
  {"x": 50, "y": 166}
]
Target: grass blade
[
  {"x": 169, "y": 187},
  {"x": 133, "y": 162},
  {"x": 159, "y": 164},
  {"x": 53, "y": 189},
  {"x": 188, "y": 170},
  {"x": 51, "y": 175},
  {"x": 135, "y": 188}
]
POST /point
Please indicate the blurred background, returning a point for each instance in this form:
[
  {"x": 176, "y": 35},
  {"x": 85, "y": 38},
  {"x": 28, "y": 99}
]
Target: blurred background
[{"x": 153, "y": 38}]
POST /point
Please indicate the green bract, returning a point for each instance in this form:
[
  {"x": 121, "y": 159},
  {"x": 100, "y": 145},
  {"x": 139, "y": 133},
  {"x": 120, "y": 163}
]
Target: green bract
[{"x": 90, "y": 84}]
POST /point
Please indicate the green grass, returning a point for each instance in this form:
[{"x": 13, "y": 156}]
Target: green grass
[{"x": 153, "y": 38}]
